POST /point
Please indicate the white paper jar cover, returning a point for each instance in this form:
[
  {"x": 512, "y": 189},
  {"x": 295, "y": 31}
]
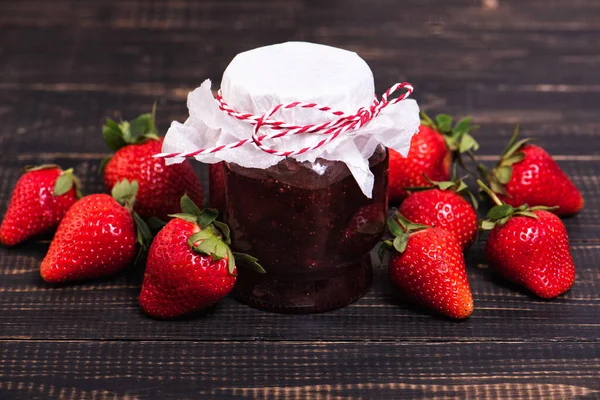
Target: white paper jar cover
[{"x": 257, "y": 80}]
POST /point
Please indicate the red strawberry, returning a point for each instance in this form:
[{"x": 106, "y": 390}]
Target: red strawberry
[
  {"x": 428, "y": 268},
  {"x": 529, "y": 246},
  {"x": 444, "y": 207},
  {"x": 527, "y": 174},
  {"x": 216, "y": 181},
  {"x": 160, "y": 186},
  {"x": 39, "y": 201},
  {"x": 97, "y": 237},
  {"x": 190, "y": 265},
  {"x": 431, "y": 152}
]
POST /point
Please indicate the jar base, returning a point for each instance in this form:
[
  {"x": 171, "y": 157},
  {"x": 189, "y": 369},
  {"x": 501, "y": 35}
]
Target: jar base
[{"x": 304, "y": 294}]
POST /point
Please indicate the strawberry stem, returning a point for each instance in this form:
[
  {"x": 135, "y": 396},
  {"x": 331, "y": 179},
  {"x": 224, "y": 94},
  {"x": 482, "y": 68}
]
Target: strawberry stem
[{"x": 489, "y": 192}]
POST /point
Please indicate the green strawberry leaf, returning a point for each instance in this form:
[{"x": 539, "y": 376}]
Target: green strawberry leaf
[
  {"x": 220, "y": 251},
  {"x": 31, "y": 168},
  {"x": 196, "y": 239},
  {"x": 151, "y": 136},
  {"x": 487, "y": 225},
  {"x": 500, "y": 211},
  {"x": 225, "y": 231},
  {"x": 400, "y": 242},
  {"x": 137, "y": 131},
  {"x": 404, "y": 222},
  {"x": 144, "y": 235},
  {"x": 186, "y": 217},
  {"x": 516, "y": 147},
  {"x": 450, "y": 143},
  {"x": 503, "y": 174},
  {"x": 473, "y": 200},
  {"x": 204, "y": 244},
  {"x": 445, "y": 185},
  {"x": 543, "y": 208},
  {"x": 188, "y": 206},
  {"x": 231, "y": 262},
  {"x": 444, "y": 122},
  {"x": 527, "y": 214},
  {"x": 467, "y": 143},
  {"x": 140, "y": 126},
  {"x": 111, "y": 124},
  {"x": 394, "y": 226},
  {"x": 417, "y": 227},
  {"x": 63, "y": 183},
  {"x": 463, "y": 126},
  {"x": 113, "y": 136},
  {"x": 503, "y": 221},
  {"x": 199, "y": 236},
  {"x": 124, "y": 192},
  {"x": 77, "y": 183},
  {"x": 125, "y": 128},
  {"x": 497, "y": 187},
  {"x": 207, "y": 217},
  {"x": 462, "y": 186},
  {"x": 513, "y": 159},
  {"x": 512, "y": 141},
  {"x": 249, "y": 261},
  {"x": 513, "y": 145}
]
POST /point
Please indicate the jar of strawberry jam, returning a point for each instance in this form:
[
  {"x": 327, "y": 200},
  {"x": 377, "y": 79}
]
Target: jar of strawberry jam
[
  {"x": 297, "y": 143},
  {"x": 312, "y": 232}
]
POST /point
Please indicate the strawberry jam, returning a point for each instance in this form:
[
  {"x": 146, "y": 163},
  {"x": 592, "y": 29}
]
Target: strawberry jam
[{"x": 310, "y": 227}]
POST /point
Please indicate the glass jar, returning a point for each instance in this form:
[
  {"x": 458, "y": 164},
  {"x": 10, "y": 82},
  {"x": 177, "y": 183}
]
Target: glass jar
[
  {"x": 216, "y": 187},
  {"x": 310, "y": 227}
]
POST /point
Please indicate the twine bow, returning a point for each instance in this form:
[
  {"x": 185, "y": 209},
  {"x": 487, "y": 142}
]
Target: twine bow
[{"x": 330, "y": 130}]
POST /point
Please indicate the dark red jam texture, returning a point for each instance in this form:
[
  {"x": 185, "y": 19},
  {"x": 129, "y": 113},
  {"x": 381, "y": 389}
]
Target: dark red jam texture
[
  {"x": 311, "y": 236},
  {"x": 216, "y": 186}
]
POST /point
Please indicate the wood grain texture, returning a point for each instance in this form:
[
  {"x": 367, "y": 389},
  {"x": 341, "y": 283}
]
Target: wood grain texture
[
  {"x": 108, "y": 309},
  {"x": 66, "y": 65},
  {"x": 289, "y": 370}
]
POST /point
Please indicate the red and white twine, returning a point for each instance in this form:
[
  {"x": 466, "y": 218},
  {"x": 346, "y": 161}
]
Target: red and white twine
[{"x": 331, "y": 129}]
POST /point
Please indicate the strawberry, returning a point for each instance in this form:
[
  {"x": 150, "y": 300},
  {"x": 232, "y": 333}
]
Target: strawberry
[
  {"x": 529, "y": 246},
  {"x": 216, "y": 182},
  {"x": 160, "y": 186},
  {"x": 527, "y": 174},
  {"x": 428, "y": 267},
  {"x": 39, "y": 201},
  {"x": 443, "y": 207},
  {"x": 190, "y": 265},
  {"x": 431, "y": 152},
  {"x": 97, "y": 237}
]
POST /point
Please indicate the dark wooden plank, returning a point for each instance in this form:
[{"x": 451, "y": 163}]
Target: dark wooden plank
[
  {"x": 108, "y": 308},
  {"x": 514, "y": 42},
  {"x": 500, "y": 64},
  {"x": 70, "y": 121},
  {"x": 66, "y": 65},
  {"x": 503, "y": 66},
  {"x": 149, "y": 370}
]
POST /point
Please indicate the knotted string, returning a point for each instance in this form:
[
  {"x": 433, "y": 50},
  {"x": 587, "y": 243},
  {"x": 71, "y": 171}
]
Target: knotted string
[{"x": 330, "y": 130}]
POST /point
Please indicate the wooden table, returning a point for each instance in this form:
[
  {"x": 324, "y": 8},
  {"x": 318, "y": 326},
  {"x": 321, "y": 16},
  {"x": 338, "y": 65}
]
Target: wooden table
[{"x": 65, "y": 65}]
